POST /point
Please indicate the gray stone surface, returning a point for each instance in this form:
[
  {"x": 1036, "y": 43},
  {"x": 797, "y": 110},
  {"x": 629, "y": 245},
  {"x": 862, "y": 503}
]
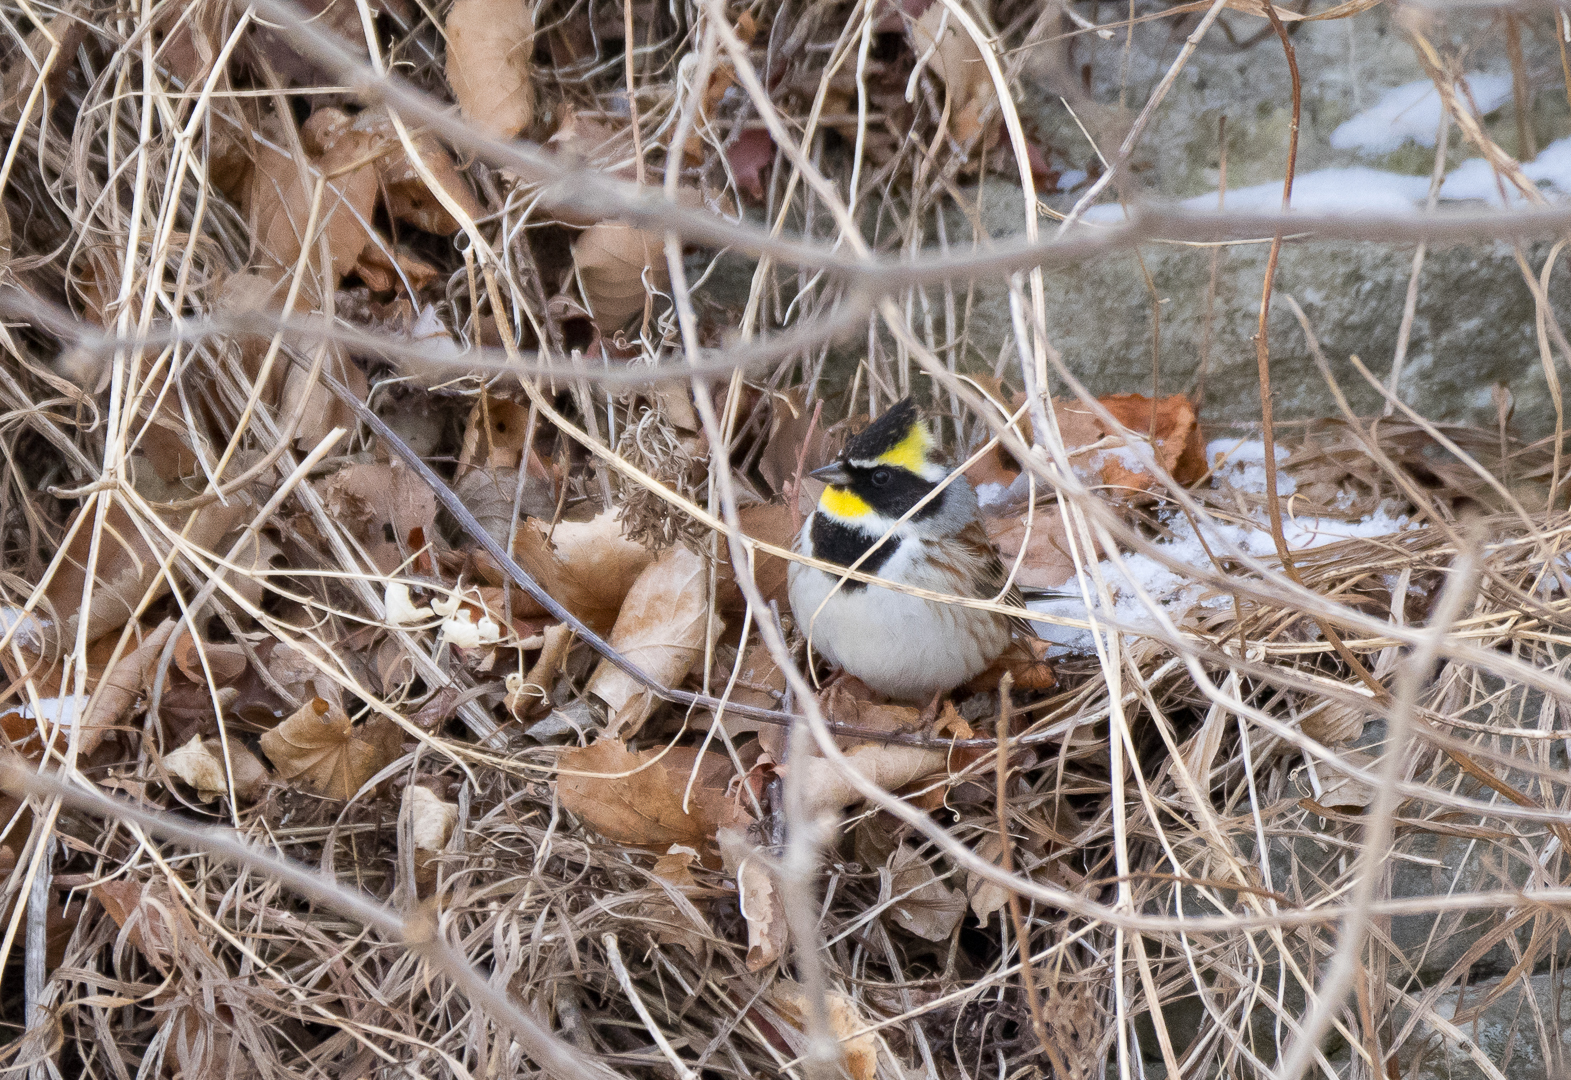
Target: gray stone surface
[
  {"x": 1474, "y": 323},
  {"x": 1522, "y": 1029}
]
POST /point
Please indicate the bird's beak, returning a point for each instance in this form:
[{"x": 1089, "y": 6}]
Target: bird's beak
[{"x": 833, "y": 474}]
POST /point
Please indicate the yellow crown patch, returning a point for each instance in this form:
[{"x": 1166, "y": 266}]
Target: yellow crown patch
[
  {"x": 841, "y": 503},
  {"x": 911, "y": 451}
]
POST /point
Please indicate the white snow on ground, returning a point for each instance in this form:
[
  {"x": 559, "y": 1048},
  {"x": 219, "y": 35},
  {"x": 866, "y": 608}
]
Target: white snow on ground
[
  {"x": 1349, "y": 189},
  {"x": 1475, "y": 179},
  {"x": 57, "y": 710},
  {"x": 1241, "y": 465},
  {"x": 1412, "y": 112},
  {"x": 1357, "y": 189},
  {"x": 1177, "y": 592}
]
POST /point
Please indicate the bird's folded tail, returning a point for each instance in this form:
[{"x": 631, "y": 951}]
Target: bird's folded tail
[{"x": 1029, "y": 593}]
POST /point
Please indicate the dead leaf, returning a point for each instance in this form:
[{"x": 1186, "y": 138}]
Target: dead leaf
[
  {"x": 281, "y": 192},
  {"x": 750, "y": 156},
  {"x": 126, "y": 682},
  {"x": 407, "y": 197},
  {"x": 201, "y": 770},
  {"x": 65, "y": 33},
  {"x": 200, "y": 764},
  {"x": 774, "y": 524},
  {"x": 986, "y": 896},
  {"x": 637, "y": 798},
  {"x": 431, "y": 820},
  {"x": 338, "y": 19},
  {"x": 317, "y": 408},
  {"x": 1047, "y": 563},
  {"x": 204, "y": 1045},
  {"x": 530, "y": 693},
  {"x": 490, "y": 495},
  {"x": 192, "y": 40},
  {"x": 490, "y": 46},
  {"x": 1338, "y": 790},
  {"x": 956, "y": 60},
  {"x": 587, "y": 566},
  {"x": 858, "y": 1042},
  {"x": 889, "y": 765},
  {"x": 1025, "y": 661},
  {"x": 758, "y": 897},
  {"x": 620, "y": 268},
  {"x": 1178, "y": 446},
  {"x": 1333, "y": 723},
  {"x": 1101, "y": 458},
  {"x": 126, "y": 569},
  {"x": 790, "y": 420},
  {"x": 676, "y": 866},
  {"x": 760, "y": 682},
  {"x": 923, "y": 904},
  {"x": 291, "y": 667},
  {"x": 383, "y": 506},
  {"x": 661, "y": 629},
  {"x": 155, "y": 926},
  {"x": 319, "y": 749}
]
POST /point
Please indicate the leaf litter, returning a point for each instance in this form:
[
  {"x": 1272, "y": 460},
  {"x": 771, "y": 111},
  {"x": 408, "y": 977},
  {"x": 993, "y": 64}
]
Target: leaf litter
[{"x": 219, "y": 613}]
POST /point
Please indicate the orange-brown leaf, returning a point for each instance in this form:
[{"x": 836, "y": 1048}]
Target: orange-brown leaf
[
  {"x": 661, "y": 629},
  {"x": 1047, "y": 563},
  {"x": 637, "y": 798},
  {"x": 587, "y": 566},
  {"x": 1177, "y": 443},
  {"x": 958, "y": 62},
  {"x": 489, "y": 49},
  {"x": 619, "y": 266},
  {"x": 125, "y": 682},
  {"x": 319, "y": 750}
]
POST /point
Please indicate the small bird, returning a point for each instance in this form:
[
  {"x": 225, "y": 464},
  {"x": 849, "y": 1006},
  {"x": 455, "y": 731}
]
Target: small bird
[{"x": 902, "y": 646}]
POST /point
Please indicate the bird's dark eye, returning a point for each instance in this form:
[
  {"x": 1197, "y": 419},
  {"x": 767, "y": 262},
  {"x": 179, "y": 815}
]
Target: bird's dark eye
[{"x": 881, "y": 477}]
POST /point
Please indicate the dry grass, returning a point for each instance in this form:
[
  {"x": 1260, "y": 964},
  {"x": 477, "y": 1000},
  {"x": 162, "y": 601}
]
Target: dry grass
[{"x": 1282, "y": 805}]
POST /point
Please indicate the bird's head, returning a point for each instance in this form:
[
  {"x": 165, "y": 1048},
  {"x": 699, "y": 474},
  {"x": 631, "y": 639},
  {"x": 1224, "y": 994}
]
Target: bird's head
[{"x": 886, "y": 469}]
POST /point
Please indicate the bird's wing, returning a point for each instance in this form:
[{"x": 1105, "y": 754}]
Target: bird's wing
[{"x": 992, "y": 573}]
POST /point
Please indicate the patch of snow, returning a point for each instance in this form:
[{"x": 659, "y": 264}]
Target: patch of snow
[
  {"x": 1411, "y": 112},
  {"x": 29, "y": 628},
  {"x": 1475, "y": 177},
  {"x": 1176, "y": 592},
  {"x": 1070, "y": 179},
  {"x": 991, "y": 495},
  {"x": 57, "y": 710},
  {"x": 1240, "y": 464},
  {"x": 1349, "y": 189}
]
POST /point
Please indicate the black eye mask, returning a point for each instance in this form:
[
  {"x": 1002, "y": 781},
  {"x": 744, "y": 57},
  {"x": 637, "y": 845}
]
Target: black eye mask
[{"x": 901, "y": 490}]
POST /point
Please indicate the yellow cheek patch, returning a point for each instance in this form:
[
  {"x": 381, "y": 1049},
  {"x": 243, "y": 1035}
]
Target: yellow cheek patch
[
  {"x": 911, "y": 451},
  {"x": 840, "y": 503}
]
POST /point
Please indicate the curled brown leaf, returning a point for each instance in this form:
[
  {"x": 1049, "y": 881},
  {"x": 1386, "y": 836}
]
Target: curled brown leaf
[
  {"x": 489, "y": 48},
  {"x": 620, "y": 268},
  {"x": 661, "y": 629},
  {"x": 637, "y": 798},
  {"x": 319, "y": 749}
]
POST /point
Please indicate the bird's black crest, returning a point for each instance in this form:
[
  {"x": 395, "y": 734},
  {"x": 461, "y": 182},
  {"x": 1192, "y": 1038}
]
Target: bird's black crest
[{"x": 883, "y": 433}]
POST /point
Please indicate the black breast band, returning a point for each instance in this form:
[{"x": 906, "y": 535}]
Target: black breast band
[{"x": 844, "y": 544}]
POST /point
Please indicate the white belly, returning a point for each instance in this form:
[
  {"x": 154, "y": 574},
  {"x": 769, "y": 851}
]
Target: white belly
[{"x": 900, "y": 645}]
